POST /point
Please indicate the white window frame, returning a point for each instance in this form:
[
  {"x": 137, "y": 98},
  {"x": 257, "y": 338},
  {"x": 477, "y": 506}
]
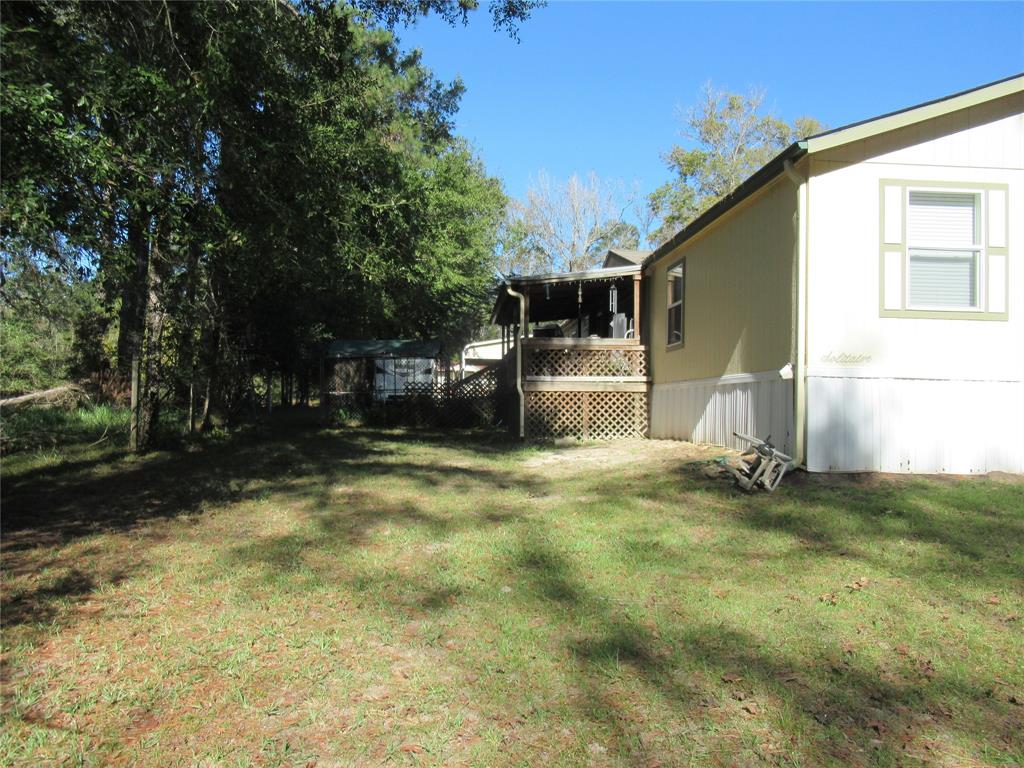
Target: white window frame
[
  {"x": 670, "y": 305},
  {"x": 978, "y": 248}
]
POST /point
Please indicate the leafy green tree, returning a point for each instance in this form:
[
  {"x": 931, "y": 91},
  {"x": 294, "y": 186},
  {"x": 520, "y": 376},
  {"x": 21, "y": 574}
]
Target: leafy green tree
[
  {"x": 52, "y": 327},
  {"x": 245, "y": 181},
  {"x": 732, "y": 137},
  {"x": 447, "y": 292}
]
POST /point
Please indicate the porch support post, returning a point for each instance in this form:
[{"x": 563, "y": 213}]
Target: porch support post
[
  {"x": 519, "y": 361},
  {"x": 579, "y": 311},
  {"x": 636, "y": 308}
]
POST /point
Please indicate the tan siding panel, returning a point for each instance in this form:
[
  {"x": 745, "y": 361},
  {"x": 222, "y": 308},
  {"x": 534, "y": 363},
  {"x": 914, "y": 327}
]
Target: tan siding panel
[{"x": 739, "y": 293}]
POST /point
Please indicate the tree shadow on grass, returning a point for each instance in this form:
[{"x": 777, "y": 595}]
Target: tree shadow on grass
[
  {"x": 970, "y": 528},
  {"x": 51, "y": 507},
  {"x": 42, "y": 604},
  {"x": 68, "y": 501},
  {"x": 340, "y": 518},
  {"x": 842, "y": 706}
]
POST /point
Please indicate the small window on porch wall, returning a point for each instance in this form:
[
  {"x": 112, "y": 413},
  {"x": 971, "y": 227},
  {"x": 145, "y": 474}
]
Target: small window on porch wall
[{"x": 676, "y": 284}]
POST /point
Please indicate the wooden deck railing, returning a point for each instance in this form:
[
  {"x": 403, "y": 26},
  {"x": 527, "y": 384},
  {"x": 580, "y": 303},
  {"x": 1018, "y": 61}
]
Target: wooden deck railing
[{"x": 590, "y": 358}]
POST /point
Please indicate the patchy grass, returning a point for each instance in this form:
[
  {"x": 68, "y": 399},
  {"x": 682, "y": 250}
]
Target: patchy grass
[{"x": 360, "y": 597}]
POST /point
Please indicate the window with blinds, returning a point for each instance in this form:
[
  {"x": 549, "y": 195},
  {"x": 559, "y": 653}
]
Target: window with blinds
[{"x": 943, "y": 249}]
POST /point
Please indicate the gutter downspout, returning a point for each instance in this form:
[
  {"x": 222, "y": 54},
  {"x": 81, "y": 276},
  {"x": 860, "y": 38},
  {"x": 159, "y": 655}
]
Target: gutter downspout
[
  {"x": 800, "y": 358},
  {"x": 519, "y": 360}
]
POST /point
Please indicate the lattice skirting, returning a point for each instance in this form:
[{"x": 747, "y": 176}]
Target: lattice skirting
[{"x": 586, "y": 415}]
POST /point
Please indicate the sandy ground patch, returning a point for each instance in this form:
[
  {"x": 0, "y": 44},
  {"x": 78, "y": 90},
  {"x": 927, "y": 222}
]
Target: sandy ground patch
[{"x": 572, "y": 457}]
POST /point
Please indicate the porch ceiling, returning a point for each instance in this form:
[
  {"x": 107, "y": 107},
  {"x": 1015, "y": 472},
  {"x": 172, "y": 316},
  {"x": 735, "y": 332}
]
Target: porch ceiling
[{"x": 557, "y": 296}]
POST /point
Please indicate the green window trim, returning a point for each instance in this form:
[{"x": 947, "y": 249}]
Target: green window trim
[{"x": 989, "y": 256}]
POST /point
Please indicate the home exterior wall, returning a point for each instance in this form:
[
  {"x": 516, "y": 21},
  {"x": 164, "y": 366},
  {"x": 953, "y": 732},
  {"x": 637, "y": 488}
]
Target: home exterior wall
[
  {"x": 890, "y": 390},
  {"x": 738, "y": 321}
]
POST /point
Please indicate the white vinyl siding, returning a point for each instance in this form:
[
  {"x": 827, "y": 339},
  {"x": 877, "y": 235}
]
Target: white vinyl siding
[{"x": 944, "y": 249}]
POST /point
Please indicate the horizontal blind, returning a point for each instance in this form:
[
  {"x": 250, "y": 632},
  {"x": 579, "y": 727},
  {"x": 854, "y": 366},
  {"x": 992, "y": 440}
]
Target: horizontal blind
[
  {"x": 942, "y": 218},
  {"x": 943, "y": 279}
]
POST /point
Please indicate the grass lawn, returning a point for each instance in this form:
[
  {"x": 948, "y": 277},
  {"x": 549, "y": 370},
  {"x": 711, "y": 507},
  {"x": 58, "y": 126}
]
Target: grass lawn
[{"x": 295, "y": 596}]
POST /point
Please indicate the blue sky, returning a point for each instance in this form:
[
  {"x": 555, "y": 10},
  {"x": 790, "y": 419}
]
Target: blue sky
[{"x": 600, "y": 86}]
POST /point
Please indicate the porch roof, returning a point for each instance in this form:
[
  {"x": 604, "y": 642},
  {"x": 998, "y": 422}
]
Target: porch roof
[
  {"x": 555, "y": 295},
  {"x": 353, "y": 348}
]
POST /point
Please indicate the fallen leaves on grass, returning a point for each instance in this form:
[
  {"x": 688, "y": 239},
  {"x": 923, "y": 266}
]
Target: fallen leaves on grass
[
  {"x": 878, "y": 726},
  {"x": 376, "y": 693},
  {"x": 414, "y": 749}
]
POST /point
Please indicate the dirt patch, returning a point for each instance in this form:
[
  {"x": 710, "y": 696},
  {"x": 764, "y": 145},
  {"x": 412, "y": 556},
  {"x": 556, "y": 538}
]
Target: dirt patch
[{"x": 572, "y": 457}]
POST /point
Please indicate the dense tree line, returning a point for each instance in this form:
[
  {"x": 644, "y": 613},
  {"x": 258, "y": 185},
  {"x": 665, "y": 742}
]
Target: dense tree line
[{"x": 206, "y": 192}]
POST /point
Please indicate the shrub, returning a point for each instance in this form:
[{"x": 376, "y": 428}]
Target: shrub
[{"x": 33, "y": 428}]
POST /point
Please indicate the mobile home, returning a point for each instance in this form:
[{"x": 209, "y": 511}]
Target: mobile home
[{"x": 860, "y": 298}]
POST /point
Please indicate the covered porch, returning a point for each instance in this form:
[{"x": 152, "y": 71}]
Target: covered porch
[{"x": 572, "y": 358}]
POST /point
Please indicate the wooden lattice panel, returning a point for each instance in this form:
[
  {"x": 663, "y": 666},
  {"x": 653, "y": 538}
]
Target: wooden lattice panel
[
  {"x": 554, "y": 414},
  {"x": 467, "y": 403},
  {"x": 431, "y": 391},
  {"x": 586, "y": 415},
  {"x": 616, "y": 415},
  {"x": 586, "y": 362},
  {"x": 481, "y": 384}
]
